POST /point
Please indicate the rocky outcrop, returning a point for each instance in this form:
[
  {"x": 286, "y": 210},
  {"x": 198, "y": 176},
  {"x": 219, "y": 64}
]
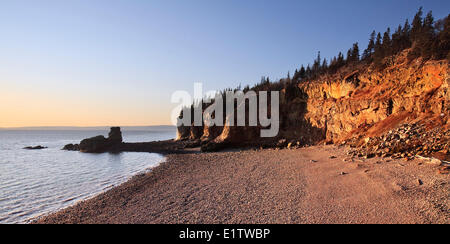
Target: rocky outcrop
[
  {"x": 114, "y": 144},
  {"x": 352, "y": 105},
  {"x": 99, "y": 144},
  {"x": 183, "y": 133},
  {"x": 115, "y": 136},
  {"x": 94, "y": 145},
  {"x": 35, "y": 148},
  {"x": 72, "y": 147}
]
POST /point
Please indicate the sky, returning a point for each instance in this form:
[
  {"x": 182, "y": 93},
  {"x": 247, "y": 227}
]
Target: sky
[{"x": 117, "y": 62}]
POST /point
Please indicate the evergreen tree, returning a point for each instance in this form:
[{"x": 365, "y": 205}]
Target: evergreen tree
[
  {"x": 378, "y": 55},
  {"x": 387, "y": 43},
  {"x": 308, "y": 72},
  {"x": 324, "y": 65},
  {"x": 340, "y": 60},
  {"x": 355, "y": 53},
  {"x": 302, "y": 73},
  {"x": 370, "y": 47},
  {"x": 378, "y": 42},
  {"x": 316, "y": 65},
  {"x": 417, "y": 25},
  {"x": 428, "y": 23},
  {"x": 423, "y": 37},
  {"x": 406, "y": 28},
  {"x": 296, "y": 77},
  {"x": 396, "y": 40},
  {"x": 263, "y": 80},
  {"x": 349, "y": 55},
  {"x": 425, "y": 42},
  {"x": 332, "y": 66},
  {"x": 406, "y": 35},
  {"x": 441, "y": 45}
]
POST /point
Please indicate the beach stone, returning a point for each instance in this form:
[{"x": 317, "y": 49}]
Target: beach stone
[{"x": 419, "y": 182}]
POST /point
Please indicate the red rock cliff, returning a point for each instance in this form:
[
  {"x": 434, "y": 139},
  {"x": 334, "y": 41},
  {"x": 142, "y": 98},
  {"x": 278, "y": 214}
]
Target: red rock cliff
[{"x": 355, "y": 103}]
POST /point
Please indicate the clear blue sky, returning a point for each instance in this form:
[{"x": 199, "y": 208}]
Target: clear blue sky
[{"x": 91, "y": 62}]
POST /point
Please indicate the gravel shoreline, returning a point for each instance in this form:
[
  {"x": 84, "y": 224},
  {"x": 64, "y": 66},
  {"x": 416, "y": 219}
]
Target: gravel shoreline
[{"x": 319, "y": 184}]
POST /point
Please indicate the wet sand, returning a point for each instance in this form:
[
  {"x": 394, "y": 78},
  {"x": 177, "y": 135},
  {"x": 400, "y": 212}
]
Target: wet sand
[{"x": 319, "y": 184}]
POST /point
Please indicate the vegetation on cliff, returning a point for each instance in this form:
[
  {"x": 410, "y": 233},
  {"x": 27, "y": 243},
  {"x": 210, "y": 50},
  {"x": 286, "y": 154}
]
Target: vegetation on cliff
[
  {"x": 399, "y": 78},
  {"x": 426, "y": 38}
]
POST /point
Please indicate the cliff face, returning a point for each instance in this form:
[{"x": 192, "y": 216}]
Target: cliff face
[
  {"x": 356, "y": 104},
  {"x": 398, "y": 94}
]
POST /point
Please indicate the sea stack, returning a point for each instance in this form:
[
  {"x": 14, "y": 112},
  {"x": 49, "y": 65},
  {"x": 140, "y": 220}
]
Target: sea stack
[
  {"x": 115, "y": 136},
  {"x": 99, "y": 144}
]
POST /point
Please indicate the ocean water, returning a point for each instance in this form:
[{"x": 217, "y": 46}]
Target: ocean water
[{"x": 38, "y": 182}]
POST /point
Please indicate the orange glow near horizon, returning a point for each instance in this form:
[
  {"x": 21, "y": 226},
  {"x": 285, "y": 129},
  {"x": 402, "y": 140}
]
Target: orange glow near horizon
[{"x": 26, "y": 109}]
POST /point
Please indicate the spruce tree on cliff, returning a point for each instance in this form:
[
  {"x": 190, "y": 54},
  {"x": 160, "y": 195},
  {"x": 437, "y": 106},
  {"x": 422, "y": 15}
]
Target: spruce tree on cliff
[
  {"x": 425, "y": 42},
  {"x": 353, "y": 54},
  {"x": 378, "y": 54},
  {"x": 387, "y": 43},
  {"x": 441, "y": 45},
  {"x": 416, "y": 32},
  {"x": 370, "y": 47}
]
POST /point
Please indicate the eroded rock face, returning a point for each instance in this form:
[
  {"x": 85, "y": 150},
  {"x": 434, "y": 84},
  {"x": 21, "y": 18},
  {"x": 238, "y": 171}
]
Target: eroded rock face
[
  {"x": 189, "y": 133},
  {"x": 402, "y": 88},
  {"x": 183, "y": 133},
  {"x": 360, "y": 103},
  {"x": 210, "y": 132}
]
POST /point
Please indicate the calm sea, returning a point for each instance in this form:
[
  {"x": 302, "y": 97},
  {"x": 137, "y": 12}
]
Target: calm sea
[{"x": 37, "y": 182}]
